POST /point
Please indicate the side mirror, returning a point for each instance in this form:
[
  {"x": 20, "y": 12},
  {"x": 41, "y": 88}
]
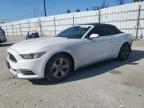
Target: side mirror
[{"x": 94, "y": 36}]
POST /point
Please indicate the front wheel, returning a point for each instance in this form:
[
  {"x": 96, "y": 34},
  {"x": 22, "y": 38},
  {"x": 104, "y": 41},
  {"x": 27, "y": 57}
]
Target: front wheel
[
  {"x": 58, "y": 68},
  {"x": 124, "y": 52}
]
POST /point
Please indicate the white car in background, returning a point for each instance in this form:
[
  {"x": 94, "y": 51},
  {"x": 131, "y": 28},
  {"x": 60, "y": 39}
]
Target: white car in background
[{"x": 56, "y": 57}]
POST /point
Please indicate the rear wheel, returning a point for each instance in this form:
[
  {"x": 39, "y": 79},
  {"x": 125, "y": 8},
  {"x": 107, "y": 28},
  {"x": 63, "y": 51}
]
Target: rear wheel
[
  {"x": 124, "y": 52},
  {"x": 58, "y": 67}
]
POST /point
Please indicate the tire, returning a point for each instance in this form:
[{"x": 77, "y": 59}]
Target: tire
[
  {"x": 0, "y": 42},
  {"x": 124, "y": 52},
  {"x": 58, "y": 67},
  {"x": 6, "y": 40}
]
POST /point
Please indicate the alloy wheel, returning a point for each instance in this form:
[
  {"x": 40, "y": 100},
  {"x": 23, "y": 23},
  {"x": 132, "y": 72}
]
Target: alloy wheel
[{"x": 60, "y": 68}]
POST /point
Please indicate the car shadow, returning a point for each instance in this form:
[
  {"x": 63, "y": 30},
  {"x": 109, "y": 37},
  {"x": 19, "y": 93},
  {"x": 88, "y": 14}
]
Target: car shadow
[
  {"x": 6, "y": 45},
  {"x": 96, "y": 69}
]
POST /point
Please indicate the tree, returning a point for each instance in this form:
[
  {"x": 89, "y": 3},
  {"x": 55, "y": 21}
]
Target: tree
[
  {"x": 120, "y": 2},
  {"x": 95, "y": 7},
  {"x": 87, "y": 9},
  {"x": 78, "y": 10},
  {"x": 68, "y": 11},
  {"x": 137, "y": 0},
  {"x": 103, "y": 5},
  {"x": 2, "y": 22}
]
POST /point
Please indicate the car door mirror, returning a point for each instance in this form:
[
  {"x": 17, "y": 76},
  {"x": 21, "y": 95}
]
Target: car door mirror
[{"x": 94, "y": 36}]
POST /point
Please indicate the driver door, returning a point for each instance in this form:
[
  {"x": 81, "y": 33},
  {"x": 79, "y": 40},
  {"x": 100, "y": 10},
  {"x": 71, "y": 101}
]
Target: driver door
[{"x": 97, "y": 49}]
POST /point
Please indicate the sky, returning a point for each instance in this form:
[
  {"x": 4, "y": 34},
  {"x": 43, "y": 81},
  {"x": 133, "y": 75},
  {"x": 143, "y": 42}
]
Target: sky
[{"x": 18, "y": 9}]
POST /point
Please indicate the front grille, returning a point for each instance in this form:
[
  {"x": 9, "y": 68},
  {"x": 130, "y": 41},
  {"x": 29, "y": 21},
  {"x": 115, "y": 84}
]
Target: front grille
[{"x": 12, "y": 58}]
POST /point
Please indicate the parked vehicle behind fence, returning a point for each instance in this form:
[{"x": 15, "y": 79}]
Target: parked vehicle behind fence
[{"x": 32, "y": 34}]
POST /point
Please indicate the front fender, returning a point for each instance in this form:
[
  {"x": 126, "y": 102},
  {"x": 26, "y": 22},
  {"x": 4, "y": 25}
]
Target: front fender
[{"x": 50, "y": 54}]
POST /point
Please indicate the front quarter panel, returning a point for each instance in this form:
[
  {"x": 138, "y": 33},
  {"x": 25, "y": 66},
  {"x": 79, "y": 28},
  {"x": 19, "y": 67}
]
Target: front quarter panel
[{"x": 75, "y": 49}]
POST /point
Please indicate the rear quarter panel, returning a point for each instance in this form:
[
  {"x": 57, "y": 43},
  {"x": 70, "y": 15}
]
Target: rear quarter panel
[{"x": 120, "y": 39}]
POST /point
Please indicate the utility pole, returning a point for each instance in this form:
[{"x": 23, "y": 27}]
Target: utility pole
[
  {"x": 138, "y": 22},
  {"x": 44, "y": 5}
]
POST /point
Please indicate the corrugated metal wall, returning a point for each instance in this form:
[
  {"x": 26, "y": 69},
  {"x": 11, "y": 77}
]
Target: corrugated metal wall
[{"x": 125, "y": 17}]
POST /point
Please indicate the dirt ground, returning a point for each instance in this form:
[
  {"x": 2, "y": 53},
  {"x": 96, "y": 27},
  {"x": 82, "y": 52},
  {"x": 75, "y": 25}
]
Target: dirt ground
[{"x": 110, "y": 84}]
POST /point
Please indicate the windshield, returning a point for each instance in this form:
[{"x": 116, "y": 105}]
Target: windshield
[{"x": 74, "y": 32}]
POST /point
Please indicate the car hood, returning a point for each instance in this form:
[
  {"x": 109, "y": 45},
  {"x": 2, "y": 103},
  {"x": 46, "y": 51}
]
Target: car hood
[{"x": 34, "y": 45}]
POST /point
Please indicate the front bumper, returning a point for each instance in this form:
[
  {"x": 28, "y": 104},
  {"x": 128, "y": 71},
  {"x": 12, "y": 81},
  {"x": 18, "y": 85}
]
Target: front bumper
[{"x": 25, "y": 69}]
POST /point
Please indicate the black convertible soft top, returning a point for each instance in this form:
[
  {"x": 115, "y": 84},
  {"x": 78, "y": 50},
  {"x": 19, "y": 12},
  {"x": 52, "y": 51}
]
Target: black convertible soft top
[{"x": 101, "y": 25}]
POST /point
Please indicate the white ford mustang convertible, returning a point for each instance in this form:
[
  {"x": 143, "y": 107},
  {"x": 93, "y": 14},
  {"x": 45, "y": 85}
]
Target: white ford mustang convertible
[{"x": 56, "y": 57}]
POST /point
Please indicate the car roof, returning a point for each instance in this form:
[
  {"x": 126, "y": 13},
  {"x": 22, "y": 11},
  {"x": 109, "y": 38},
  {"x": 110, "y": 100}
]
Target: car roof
[{"x": 99, "y": 24}]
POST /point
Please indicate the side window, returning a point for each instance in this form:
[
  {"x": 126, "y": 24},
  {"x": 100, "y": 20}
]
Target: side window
[
  {"x": 93, "y": 31},
  {"x": 105, "y": 31}
]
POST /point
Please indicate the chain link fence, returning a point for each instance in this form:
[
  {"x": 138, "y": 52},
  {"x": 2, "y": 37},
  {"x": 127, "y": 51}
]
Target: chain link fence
[{"x": 128, "y": 18}]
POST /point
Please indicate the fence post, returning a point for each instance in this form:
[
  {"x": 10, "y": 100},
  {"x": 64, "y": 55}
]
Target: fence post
[
  {"x": 6, "y": 31},
  {"x": 40, "y": 27},
  {"x": 73, "y": 20},
  {"x": 138, "y": 22},
  {"x": 55, "y": 26},
  {"x": 12, "y": 29},
  {"x": 99, "y": 15},
  {"x": 20, "y": 29},
  {"x": 29, "y": 25}
]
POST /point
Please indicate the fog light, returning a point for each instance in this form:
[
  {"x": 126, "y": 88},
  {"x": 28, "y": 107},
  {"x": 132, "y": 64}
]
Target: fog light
[{"x": 26, "y": 72}]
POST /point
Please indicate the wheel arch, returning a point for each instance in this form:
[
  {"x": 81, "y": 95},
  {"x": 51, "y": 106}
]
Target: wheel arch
[
  {"x": 125, "y": 43},
  {"x": 63, "y": 52},
  {"x": 119, "y": 46}
]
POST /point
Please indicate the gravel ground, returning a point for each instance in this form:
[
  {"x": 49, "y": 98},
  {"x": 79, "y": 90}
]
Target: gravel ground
[{"x": 110, "y": 84}]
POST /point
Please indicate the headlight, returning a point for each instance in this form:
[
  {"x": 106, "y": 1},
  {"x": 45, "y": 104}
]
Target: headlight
[{"x": 32, "y": 55}]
